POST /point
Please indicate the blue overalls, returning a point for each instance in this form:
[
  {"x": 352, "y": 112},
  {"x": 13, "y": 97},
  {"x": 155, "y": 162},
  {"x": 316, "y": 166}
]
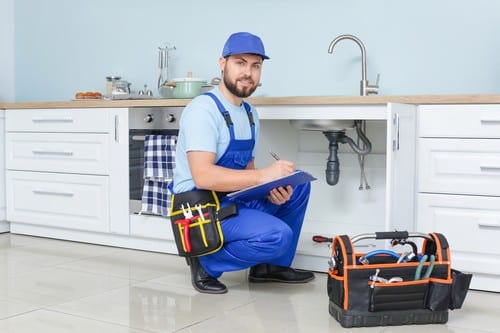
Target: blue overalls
[{"x": 262, "y": 232}]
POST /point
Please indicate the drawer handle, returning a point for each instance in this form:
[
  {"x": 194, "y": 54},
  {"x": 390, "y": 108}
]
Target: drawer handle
[
  {"x": 52, "y": 120},
  {"x": 490, "y": 121},
  {"x": 45, "y": 192},
  {"x": 489, "y": 168},
  {"x": 485, "y": 225},
  {"x": 48, "y": 152}
]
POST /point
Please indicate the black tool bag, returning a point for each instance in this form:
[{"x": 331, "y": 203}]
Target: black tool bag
[
  {"x": 384, "y": 287},
  {"x": 196, "y": 222}
]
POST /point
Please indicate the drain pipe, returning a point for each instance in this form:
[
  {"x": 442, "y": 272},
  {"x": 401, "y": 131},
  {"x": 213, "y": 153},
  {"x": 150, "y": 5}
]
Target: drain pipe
[{"x": 332, "y": 171}]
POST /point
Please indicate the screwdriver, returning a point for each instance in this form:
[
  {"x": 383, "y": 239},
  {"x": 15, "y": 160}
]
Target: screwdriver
[{"x": 322, "y": 239}]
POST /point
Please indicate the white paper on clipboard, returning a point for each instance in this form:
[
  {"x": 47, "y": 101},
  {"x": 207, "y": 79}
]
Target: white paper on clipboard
[{"x": 259, "y": 191}]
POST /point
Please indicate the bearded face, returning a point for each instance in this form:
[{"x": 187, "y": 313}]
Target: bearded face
[
  {"x": 242, "y": 91},
  {"x": 241, "y": 74}
]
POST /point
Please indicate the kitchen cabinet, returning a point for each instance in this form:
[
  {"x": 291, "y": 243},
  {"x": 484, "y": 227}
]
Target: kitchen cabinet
[
  {"x": 343, "y": 208},
  {"x": 66, "y": 170},
  {"x": 65, "y": 164},
  {"x": 459, "y": 185},
  {"x": 4, "y": 226},
  {"x": 430, "y": 175}
]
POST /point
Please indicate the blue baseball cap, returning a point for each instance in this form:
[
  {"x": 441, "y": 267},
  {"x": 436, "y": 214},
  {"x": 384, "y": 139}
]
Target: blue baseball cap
[{"x": 244, "y": 42}]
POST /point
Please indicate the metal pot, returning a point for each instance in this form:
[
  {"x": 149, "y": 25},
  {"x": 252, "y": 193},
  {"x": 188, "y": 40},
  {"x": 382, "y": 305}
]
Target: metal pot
[{"x": 188, "y": 87}]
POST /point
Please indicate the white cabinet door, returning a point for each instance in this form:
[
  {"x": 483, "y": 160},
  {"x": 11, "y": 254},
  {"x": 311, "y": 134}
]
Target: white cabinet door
[
  {"x": 86, "y": 153},
  {"x": 400, "y": 173},
  {"x": 118, "y": 199},
  {"x": 59, "y": 200},
  {"x": 464, "y": 166},
  {"x": 58, "y": 120},
  {"x": 459, "y": 121},
  {"x": 471, "y": 225}
]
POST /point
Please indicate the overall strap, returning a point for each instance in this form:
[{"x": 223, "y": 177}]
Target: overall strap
[{"x": 227, "y": 116}]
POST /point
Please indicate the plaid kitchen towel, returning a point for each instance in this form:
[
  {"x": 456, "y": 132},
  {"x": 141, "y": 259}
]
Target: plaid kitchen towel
[
  {"x": 159, "y": 163},
  {"x": 159, "y": 156},
  {"x": 155, "y": 198}
]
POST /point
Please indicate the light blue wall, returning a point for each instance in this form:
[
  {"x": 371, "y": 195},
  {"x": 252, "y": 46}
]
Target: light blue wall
[
  {"x": 418, "y": 47},
  {"x": 6, "y": 50}
]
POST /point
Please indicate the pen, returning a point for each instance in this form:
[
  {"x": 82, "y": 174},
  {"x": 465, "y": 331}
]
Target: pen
[{"x": 273, "y": 154}]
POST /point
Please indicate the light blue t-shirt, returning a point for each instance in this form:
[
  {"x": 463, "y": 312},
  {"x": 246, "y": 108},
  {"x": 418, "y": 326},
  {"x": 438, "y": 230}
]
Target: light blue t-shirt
[{"x": 203, "y": 128}]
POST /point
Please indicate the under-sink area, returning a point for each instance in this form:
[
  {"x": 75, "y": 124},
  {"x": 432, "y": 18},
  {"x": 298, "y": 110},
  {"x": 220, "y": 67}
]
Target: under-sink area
[
  {"x": 335, "y": 131},
  {"x": 323, "y": 124},
  {"x": 354, "y": 193}
]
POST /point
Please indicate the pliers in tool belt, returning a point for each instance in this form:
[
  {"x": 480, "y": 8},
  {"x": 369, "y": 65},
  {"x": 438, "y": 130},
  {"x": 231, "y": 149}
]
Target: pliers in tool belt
[{"x": 188, "y": 218}]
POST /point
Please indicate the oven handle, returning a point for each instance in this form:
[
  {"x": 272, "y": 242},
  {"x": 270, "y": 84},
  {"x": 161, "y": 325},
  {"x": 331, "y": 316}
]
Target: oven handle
[{"x": 138, "y": 137}]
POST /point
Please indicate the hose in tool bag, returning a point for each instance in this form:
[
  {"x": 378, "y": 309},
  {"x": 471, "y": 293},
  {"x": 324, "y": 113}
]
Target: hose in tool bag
[{"x": 365, "y": 260}]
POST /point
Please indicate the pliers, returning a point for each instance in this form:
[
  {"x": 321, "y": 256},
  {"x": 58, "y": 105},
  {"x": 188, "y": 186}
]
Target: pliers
[
  {"x": 418, "y": 272},
  {"x": 188, "y": 218}
]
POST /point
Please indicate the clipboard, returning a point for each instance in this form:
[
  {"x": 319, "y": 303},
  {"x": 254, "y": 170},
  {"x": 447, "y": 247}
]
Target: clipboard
[{"x": 259, "y": 191}]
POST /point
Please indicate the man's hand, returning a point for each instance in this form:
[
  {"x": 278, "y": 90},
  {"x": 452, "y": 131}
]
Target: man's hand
[
  {"x": 280, "y": 195},
  {"x": 278, "y": 169}
]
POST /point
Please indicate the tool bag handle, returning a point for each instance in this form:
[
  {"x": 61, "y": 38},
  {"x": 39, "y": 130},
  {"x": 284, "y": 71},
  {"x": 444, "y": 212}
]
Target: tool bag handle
[
  {"x": 343, "y": 253},
  {"x": 439, "y": 245},
  {"x": 390, "y": 235}
]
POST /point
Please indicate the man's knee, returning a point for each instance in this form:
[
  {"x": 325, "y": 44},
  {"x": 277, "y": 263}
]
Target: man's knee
[{"x": 279, "y": 238}]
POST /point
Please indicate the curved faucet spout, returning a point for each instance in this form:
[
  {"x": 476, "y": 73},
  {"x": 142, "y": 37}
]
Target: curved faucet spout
[
  {"x": 365, "y": 88},
  {"x": 361, "y": 46}
]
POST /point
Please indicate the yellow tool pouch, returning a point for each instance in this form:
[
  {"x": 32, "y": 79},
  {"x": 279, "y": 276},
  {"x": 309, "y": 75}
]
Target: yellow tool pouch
[{"x": 196, "y": 222}]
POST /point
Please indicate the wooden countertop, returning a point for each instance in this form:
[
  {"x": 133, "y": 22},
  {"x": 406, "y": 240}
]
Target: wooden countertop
[{"x": 290, "y": 100}]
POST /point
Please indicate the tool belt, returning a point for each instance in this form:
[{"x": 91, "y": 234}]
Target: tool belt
[
  {"x": 196, "y": 222},
  {"x": 385, "y": 287}
]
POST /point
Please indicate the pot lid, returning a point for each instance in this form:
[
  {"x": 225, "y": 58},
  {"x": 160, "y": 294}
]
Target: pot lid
[{"x": 189, "y": 79}]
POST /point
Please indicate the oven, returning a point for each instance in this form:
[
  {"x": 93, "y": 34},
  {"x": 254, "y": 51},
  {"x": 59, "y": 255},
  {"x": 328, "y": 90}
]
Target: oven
[{"x": 142, "y": 122}]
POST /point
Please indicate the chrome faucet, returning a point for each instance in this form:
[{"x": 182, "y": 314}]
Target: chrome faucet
[{"x": 365, "y": 87}]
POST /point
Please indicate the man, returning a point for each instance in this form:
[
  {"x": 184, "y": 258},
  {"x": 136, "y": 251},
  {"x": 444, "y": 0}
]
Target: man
[{"x": 216, "y": 152}]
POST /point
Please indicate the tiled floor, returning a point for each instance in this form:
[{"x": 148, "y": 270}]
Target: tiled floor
[{"x": 56, "y": 286}]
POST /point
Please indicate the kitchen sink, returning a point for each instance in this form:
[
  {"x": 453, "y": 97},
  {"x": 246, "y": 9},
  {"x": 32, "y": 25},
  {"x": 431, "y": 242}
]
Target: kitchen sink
[{"x": 322, "y": 124}]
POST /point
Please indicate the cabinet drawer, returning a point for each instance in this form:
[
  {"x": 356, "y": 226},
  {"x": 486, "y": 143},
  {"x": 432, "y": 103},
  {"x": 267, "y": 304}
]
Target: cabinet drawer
[
  {"x": 57, "y": 120},
  {"x": 461, "y": 121},
  {"x": 59, "y": 200},
  {"x": 470, "y": 223},
  {"x": 460, "y": 166},
  {"x": 58, "y": 152}
]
